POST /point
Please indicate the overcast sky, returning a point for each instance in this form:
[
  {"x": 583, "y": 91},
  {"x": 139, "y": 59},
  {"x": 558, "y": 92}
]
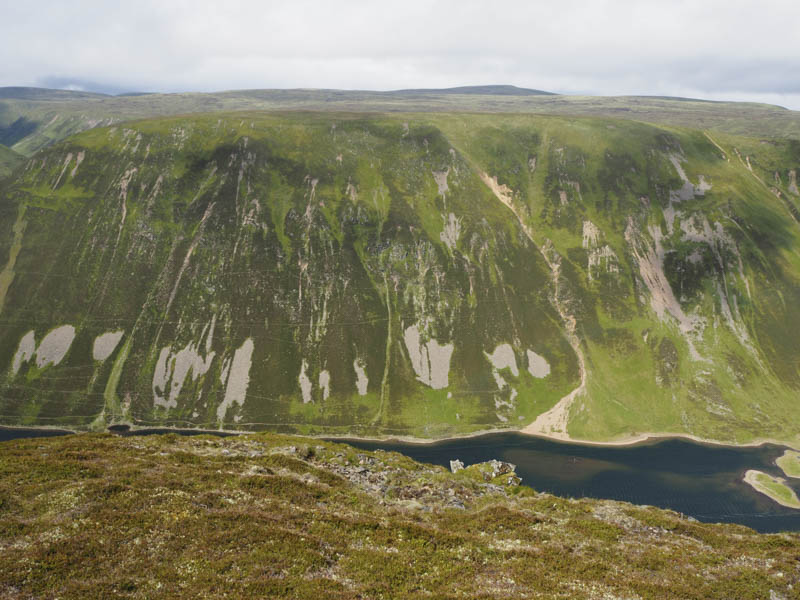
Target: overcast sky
[{"x": 716, "y": 49}]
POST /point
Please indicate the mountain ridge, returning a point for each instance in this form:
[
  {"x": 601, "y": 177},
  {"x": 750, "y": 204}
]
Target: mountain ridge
[
  {"x": 490, "y": 90},
  {"x": 47, "y": 116}
]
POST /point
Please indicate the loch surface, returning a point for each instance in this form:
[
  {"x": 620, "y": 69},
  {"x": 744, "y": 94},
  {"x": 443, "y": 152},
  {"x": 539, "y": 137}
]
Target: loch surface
[
  {"x": 700, "y": 480},
  {"x": 15, "y": 433}
]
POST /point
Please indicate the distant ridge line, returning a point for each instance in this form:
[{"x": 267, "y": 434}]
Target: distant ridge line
[
  {"x": 37, "y": 93},
  {"x": 488, "y": 90},
  {"x": 42, "y": 93}
]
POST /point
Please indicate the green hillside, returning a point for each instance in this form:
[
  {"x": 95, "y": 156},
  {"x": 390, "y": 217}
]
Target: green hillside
[
  {"x": 410, "y": 274},
  {"x": 9, "y": 160}
]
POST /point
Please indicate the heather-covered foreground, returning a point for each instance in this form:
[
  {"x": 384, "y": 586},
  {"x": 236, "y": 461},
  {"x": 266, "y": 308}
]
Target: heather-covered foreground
[{"x": 92, "y": 516}]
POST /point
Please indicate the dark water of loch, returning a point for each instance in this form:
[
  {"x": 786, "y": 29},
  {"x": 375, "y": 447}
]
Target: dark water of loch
[
  {"x": 703, "y": 481},
  {"x": 16, "y": 433}
]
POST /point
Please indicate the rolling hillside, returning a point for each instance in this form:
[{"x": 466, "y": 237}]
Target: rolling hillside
[{"x": 34, "y": 118}]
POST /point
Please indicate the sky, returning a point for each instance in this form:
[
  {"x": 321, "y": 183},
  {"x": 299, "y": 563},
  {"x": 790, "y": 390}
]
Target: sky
[{"x": 713, "y": 49}]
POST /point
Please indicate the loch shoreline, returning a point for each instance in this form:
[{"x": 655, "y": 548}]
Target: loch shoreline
[{"x": 638, "y": 439}]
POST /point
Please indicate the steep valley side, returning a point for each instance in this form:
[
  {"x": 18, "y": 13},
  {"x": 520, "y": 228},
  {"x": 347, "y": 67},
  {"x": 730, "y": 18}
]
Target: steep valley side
[{"x": 412, "y": 275}]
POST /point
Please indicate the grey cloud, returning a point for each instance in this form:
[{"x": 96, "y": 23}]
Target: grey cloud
[{"x": 667, "y": 47}]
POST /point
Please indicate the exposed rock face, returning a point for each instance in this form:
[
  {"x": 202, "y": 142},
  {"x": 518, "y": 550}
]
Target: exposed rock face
[
  {"x": 238, "y": 378},
  {"x": 362, "y": 381},
  {"x": 430, "y": 359},
  {"x": 105, "y": 344},
  {"x": 50, "y": 351},
  {"x": 537, "y": 365}
]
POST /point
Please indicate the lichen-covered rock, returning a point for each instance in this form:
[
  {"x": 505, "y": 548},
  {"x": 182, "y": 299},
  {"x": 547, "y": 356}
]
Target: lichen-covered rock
[
  {"x": 495, "y": 472},
  {"x": 456, "y": 466}
]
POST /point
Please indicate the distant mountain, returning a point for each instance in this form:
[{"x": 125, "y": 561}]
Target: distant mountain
[
  {"x": 483, "y": 90},
  {"x": 35, "y": 93}
]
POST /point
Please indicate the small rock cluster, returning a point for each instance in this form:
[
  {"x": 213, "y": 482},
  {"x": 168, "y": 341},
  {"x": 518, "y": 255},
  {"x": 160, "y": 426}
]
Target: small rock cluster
[{"x": 490, "y": 471}]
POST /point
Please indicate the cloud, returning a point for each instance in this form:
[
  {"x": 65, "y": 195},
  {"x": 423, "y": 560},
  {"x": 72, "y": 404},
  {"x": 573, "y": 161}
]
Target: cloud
[{"x": 732, "y": 48}]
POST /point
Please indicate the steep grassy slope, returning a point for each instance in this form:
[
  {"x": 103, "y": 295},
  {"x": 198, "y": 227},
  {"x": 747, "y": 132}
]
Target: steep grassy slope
[
  {"x": 9, "y": 160},
  {"x": 32, "y": 118},
  {"x": 666, "y": 223},
  {"x": 95, "y": 516},
  {"x": 416, "y": 274},
  {"x": 316, "y": 267}
]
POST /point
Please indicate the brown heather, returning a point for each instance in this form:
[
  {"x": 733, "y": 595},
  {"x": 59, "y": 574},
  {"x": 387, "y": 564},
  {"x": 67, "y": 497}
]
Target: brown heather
[{"x": 270, "y": 516}]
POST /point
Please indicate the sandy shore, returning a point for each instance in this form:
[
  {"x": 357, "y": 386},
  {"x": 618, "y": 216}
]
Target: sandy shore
[
  {"x": 632, "y": 440},
  {"x": 38, "y": 428}
]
